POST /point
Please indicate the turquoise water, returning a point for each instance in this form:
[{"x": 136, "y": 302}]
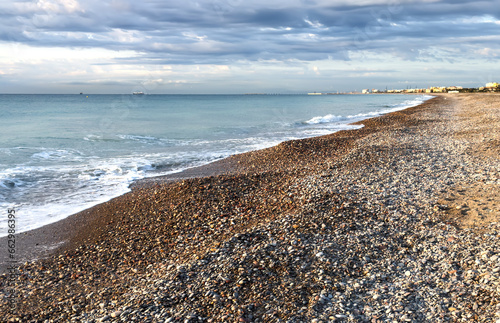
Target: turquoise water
[{"x": 60, "y": 154}]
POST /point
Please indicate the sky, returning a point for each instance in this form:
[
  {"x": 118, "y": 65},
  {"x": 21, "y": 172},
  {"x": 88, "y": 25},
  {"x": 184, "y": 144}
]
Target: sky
[{"x": 236, "y": 46}]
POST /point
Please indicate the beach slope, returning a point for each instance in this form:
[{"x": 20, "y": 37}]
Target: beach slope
[{"x": 397, "y": 220}]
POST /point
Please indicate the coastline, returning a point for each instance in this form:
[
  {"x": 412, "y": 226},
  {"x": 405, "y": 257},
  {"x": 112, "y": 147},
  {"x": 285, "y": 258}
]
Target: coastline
[
  {"x": 54, "y": 237},
  {"x": 99, "y": 173},
  {"x": 259, "y": 201}
]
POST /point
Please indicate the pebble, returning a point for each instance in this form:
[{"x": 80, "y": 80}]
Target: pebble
[{"x": 334, "y": 229}]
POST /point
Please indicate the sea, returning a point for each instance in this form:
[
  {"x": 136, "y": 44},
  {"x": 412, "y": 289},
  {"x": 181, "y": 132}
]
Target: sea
[{"x": 61, "y": 154}]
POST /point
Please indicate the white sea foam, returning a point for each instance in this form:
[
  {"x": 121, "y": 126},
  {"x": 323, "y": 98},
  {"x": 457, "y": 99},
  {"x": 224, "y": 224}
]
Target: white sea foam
[
  {"x": 330, "y": 118},
  {"x": 144, "y": 139},
  {"x": 49, "y": 194},
  {"x": 56, "y": 154},
  {"x": 325, "y": 119},
  {"x": 92, "y": 138}
]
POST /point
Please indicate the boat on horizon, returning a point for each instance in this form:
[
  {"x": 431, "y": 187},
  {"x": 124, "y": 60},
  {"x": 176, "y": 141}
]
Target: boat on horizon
[{"x": 138, "y": 93}]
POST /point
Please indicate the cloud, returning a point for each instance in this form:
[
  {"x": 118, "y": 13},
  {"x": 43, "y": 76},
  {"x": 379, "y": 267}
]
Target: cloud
[
  {"x": 228, "y": 27},
  {"x": 229, "y": 32}
]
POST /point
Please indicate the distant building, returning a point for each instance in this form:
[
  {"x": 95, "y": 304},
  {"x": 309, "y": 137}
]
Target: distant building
[
  {"x": 436, "y": 89},
  {"x": 415, "y": 90},
  {"x": 490, "y": 87}
]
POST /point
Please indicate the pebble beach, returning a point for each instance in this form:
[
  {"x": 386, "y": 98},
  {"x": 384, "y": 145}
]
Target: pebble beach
[{"x": 395, "y": 222}]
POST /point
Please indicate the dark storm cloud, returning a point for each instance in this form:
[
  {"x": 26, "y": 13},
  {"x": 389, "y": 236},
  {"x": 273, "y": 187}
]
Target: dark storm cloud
[{"x": 191, "y": 32}]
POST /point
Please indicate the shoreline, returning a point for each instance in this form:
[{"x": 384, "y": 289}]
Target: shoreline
[
  {"x": 332, "y": 228},
  {"x": 89, "y": 194},
  {"x": 90, "y": 187},
  {"x": 50, "y": 239},
  {"x": 47, "y": 240}
]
